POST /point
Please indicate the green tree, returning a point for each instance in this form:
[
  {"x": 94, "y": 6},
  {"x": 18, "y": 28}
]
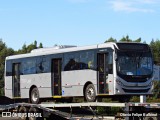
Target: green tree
[
  {"x": 23, "y": 50},
  {"x": 111, "y": 40},
  {"x": 40, "y": 45},
  {"x": 31, "y": 47},
  {"x": 156, "y": 92},
  {"x": 155, "y": 46},
  {"x": 35, "y": 44},
  {"x": 123, "y": 39},
  {"x": 138, "y": 40},
  {"x": 126, "y": 39},
  {"x": 28, "y": 48}
]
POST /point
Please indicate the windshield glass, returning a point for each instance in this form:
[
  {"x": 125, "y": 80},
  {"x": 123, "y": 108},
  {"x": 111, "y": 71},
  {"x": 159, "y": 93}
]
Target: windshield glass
[{"x": 134, "y": 63}]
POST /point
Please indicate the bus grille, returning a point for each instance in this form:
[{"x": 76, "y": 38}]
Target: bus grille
[
  {"x": 136, "y": 80},
  {"x": 135, "y": 91}
]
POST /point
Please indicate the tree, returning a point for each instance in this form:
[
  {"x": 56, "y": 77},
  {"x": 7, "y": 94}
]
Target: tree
[
  {"x": 111, "y": 40},
  {"x": 29, "y": 48},
  {"x": 156, "y": 90},
  {"x": 155, "y": 46},
  {"x": 40, "y": 45},
  {"x": 35, "y": 44},
  {"x": 126, "y": 39},
  {"x": 138, "y": 40},
  {"x": 2, "y": 45},
  {"x": 123, "y": 39}
]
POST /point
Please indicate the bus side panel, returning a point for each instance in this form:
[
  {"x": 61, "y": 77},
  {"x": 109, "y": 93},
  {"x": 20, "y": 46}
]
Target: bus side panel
[
  {"x": 42, "y": 81},
  {"x": 73, "y": 81},
  {"x": 8, "y": 86}
]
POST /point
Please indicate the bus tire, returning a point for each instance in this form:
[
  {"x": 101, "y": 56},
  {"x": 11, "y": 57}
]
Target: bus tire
[
  {"x": 34, "y": 96},
  {"x": 90, "y": 93},
  {"x": 22, "y": 110}
]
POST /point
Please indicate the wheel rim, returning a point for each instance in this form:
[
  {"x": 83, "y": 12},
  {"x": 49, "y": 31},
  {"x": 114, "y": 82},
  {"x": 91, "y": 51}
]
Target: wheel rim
[
  {"x": 90, "y": 93},
  {"x": 35, "y": 96}
]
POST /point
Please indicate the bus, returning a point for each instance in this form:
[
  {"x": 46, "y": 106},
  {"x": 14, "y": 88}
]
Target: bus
[{"x": 108, "y": 69}]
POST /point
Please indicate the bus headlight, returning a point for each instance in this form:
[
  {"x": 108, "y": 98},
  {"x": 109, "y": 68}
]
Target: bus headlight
[{"x": 117, "y": 90}]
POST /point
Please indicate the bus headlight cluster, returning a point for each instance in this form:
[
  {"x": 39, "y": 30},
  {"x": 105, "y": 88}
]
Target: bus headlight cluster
[{"x": 117, "y": 90}]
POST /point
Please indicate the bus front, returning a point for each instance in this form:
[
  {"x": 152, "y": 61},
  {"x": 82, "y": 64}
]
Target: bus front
[{"x": 134, "y": 69}]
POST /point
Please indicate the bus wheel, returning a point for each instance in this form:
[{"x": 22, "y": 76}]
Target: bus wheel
[
  {"x": 90, "y": 93},
  {"x": 34, "y": 96},
  {"x": 24, "y": 111}
]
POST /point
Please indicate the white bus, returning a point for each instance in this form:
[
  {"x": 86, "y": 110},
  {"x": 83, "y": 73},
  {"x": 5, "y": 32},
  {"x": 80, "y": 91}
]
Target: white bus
[{"x": 109, "y": 69}]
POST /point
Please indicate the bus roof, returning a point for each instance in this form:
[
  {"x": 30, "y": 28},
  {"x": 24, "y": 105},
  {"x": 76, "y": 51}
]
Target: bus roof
[
  {"x": 39, "y": 52},
  {"x": 64, "y": 49}
]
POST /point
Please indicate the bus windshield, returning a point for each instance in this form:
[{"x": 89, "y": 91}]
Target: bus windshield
[{"x": 134, "y": 63}]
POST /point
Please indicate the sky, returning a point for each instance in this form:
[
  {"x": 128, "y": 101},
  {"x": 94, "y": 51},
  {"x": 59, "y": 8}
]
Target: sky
[{"x": 77, "y": 22}]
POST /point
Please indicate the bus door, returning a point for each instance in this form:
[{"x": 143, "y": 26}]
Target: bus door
[
  {"x": 56, "y": 76},
  {"x": 102, "y": 61},
  {"x": 16, "y": 79}
]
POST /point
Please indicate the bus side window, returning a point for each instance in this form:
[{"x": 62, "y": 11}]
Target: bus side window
[
  {"x": 71, "y": 62},
  {"x": 90, "y": 60},
  {"x": 87, "y": 60},
  {"x": 42, "y": 65},
  {"x": 29, "y": 66},
  {"x": 8, "y": 68}
]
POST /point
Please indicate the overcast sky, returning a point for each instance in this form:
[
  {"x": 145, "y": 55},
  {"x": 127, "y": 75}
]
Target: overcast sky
[{"x": 77, "y": 22}]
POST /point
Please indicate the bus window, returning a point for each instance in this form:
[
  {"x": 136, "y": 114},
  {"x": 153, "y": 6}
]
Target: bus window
[
  {"x": 71, "y": 62},
  {"x": 29, "y": 66},
  {"x": 8, "y": 68},
  {"x": 87, "y": 60},
  {"x": 42, "y": 65}
]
